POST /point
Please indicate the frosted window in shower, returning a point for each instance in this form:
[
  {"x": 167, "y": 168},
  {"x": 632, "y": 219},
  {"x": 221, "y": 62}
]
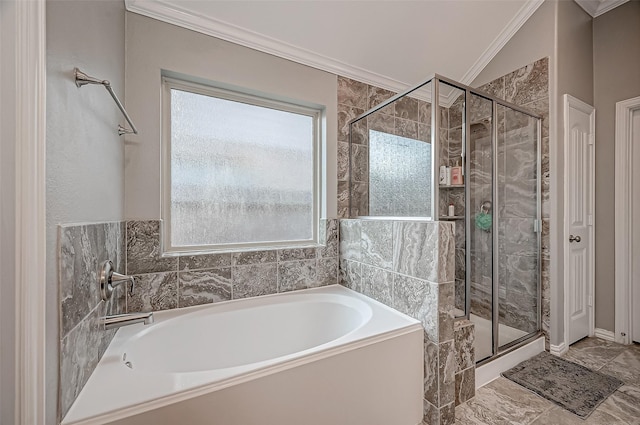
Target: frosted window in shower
[
  {"x": 399, "y": 176},
  {"x": 242, "y": 170}
]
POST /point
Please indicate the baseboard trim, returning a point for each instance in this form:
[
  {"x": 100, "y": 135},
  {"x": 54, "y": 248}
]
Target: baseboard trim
[
  {"x": 558, "y": 350},
  {"x": 605, "y": 334}
]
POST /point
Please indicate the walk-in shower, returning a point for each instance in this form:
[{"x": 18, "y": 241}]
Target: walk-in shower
[{"x": 474, "y": 160}]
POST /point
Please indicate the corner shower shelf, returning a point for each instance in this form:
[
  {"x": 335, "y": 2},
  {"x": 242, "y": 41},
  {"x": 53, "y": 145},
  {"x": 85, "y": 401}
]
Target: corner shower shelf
[
  {"x": 451, "y": 217},
  {"x": 450, "y": 186}
]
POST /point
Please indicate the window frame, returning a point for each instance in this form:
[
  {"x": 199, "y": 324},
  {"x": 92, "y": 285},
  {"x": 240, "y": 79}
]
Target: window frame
[{"x": 236, "y": 94}]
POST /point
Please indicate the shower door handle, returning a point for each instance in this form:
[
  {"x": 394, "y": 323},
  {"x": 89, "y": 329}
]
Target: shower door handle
[{"x": 574, "y": 238}]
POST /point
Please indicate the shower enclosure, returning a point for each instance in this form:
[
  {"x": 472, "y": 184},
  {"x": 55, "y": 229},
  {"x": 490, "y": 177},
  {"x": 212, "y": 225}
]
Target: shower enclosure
[{"x": 472, "y": 159}]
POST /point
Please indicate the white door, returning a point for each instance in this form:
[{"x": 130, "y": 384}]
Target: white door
[
  {"x": 635, "y": 225},
  {"x": 578, "y": 231}
]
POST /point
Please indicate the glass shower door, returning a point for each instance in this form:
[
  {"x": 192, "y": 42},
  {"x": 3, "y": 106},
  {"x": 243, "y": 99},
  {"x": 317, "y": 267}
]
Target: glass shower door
[
  {"x": 480, "y": 212},
  {"x": 518, "y": 225}
]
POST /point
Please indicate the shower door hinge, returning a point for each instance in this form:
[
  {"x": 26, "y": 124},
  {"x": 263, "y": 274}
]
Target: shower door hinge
[
  {"x": 590, "y": 303},
  {"x": 536, "y": 226},
  {"x": 590, "y": 219}
]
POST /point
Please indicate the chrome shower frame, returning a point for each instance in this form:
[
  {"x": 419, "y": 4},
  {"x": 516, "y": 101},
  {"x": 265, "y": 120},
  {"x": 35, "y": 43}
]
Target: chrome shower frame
[{"x": 435, "y": 80}]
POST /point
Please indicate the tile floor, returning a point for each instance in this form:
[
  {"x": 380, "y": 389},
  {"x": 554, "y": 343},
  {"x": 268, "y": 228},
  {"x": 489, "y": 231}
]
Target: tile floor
[{"x": 505, "y": 402}]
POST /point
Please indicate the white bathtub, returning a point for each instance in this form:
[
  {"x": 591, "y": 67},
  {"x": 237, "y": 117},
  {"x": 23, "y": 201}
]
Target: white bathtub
[{"x": 319, "y": 356}]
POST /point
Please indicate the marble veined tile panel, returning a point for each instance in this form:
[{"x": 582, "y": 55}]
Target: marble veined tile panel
[
  {"x": 377, "y": 283},
  {"x": 464, "y": 342},
  {"x": 204, "y": 286},
  {"x": 528, "y": 83},
  {"x": 143, "y": 249},
  {"x": 446, "y": 372},
  {"x": 293, "y": 275},
  {"x": 328, "y": 238},
  {"x": 254, "y": 280},
  {"x": 153, "y": 292},
  {"x": 83, "y": 248},
  {"x": 419, "y": 299},
  {"x": 345, "y": 115},
  {"x": 350, "y": 239},
  {"x": 424, "y": 250},
  {"x": 377, "y": 243},
  {"x": 352, "y": 92},
  {"x": 407, "y": 108}
]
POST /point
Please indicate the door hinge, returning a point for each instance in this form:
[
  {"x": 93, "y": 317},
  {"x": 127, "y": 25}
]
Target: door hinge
[
  {"x": 592, "y": 139},
  {"x": 590, "y": 219},
  {"x": 590, "y": 302},
  {"x": 537, "y": 228}
]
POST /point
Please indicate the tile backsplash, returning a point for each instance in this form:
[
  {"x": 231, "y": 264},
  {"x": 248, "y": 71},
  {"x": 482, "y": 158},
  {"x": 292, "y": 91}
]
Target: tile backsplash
[
  {"x": 83, "y": 341},
  {"x": 169, "y": 282}
]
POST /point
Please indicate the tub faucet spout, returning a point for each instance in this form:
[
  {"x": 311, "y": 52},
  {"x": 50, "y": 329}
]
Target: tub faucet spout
[{"x": 119, "y": 320}]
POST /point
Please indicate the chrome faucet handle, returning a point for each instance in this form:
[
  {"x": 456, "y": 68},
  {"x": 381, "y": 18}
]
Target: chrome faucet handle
[
  {"x": 118, "y": 278},
  {"x": 109, "y": 280}
]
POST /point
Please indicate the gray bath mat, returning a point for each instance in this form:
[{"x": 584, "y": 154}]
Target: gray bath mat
[{"x": 567, "y": 384}]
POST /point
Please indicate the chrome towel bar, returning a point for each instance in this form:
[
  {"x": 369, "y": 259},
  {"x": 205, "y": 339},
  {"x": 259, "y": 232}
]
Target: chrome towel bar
[{"x": 82, "y": 79}]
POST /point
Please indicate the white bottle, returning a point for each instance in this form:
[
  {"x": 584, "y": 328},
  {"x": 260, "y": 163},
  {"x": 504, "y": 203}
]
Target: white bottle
[
  {"x": 452, "y": 210},
  {"x": 448, "y": 176},
  {"x": 443, "y": 175}
]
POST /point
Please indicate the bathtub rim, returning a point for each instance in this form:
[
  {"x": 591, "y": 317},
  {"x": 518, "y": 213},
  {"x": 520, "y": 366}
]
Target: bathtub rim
[{"x": 284, "y": 364}]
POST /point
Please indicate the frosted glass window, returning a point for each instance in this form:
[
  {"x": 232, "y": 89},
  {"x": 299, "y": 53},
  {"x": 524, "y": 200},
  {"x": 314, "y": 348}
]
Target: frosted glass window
[
  {"x": 241, "y": 171},
  {"x": 399, "y": 176}
]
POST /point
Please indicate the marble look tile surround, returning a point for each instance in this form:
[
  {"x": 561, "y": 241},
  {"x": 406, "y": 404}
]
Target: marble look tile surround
[
  {"x": 83, "y": 341},
  {"x": 407, "y": 117},
  {"x": 409, "y": 265},
  {"x": 163, "y": 283},
  {"x": 465, "y": 377},
  {"x": 172, "y": 282}
]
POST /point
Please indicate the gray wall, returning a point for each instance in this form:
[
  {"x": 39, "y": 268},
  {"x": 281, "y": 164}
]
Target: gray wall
[
  {"x": 574, "y": 55},
  {"x": 153, "y": 46},
  {"x": 85, "y": 155},
  {"x": 7, "y": 208},
  {"x": 616, "y": 58}
]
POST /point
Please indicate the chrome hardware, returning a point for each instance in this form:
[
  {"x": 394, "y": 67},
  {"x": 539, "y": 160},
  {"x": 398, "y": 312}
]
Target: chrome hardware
[
  {"x": 574, "y": 238},
  {"x": 82, "y": 79},
  {"x": 119, "y": 320},
  {"x": 109, "y": 280}
]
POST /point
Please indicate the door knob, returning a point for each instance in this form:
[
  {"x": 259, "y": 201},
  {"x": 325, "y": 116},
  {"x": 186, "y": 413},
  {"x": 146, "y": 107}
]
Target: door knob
[{"x": 574, "y": 238}]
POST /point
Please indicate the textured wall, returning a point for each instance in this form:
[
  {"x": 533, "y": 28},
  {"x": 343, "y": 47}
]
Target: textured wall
[
  {"x": 85, "y": 155},
  {"x": 409, "y": 265},
  {"x": 616, "y": 58}
]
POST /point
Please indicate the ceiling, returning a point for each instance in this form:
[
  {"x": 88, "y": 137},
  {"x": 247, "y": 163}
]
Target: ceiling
[
  {"x": 596, "y": 8},
  {"x": 393, "y": 44}
]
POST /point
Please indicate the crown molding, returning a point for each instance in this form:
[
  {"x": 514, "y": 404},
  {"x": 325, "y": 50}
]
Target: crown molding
[
  {"x": 174, "y": 14},
  {"x": 505, "y": 35},
  {"x": 596, "y": 8}
]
